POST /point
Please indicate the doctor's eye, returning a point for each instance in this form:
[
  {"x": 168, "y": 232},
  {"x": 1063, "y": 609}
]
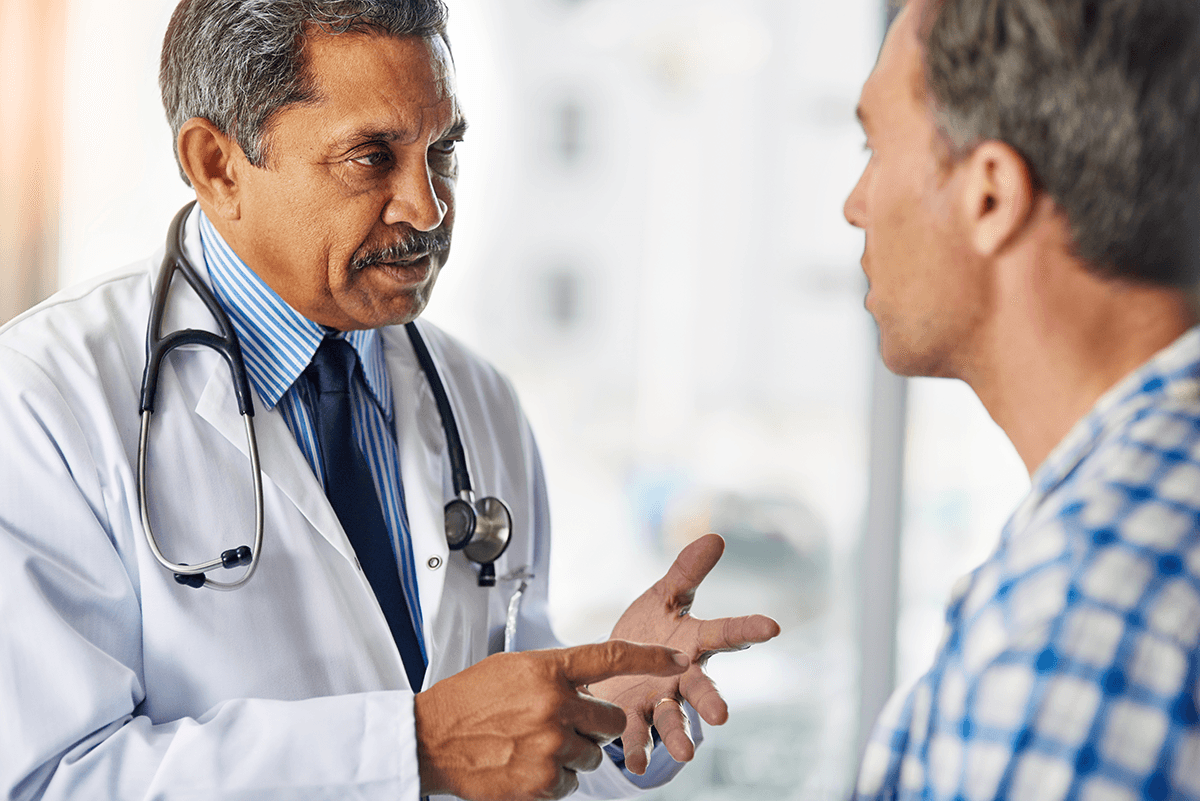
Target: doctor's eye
[
  {"x": 373, "y": 158},
  {"x": 442, "y": 158}
]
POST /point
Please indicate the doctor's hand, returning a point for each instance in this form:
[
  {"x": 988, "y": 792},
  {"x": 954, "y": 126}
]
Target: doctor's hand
[
  {"x": 517, "y": 726},
  {"x": 662, "y": 615}
]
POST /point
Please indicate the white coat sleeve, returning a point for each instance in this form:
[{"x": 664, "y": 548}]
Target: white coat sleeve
[{"x": 71, "y": 653}]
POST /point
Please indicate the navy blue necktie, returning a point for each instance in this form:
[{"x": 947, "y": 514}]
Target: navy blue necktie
[{"x": 351, "y": 491}]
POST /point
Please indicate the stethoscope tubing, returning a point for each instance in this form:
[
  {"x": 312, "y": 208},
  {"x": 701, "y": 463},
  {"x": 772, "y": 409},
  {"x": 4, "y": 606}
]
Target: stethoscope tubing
[
  {"x": 157, "y": 349},
  {"x": 459, "y": 473},
  {"x": 481, "y": 529},
  {"x": 158, "y": 346},
  {"x": 225, "y": 561}
]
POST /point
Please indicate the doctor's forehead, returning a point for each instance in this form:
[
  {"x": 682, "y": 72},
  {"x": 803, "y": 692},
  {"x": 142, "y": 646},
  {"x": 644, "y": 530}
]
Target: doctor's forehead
[
  {"x": 429, "y": 57},
  {"x": 408, "y": 72}
]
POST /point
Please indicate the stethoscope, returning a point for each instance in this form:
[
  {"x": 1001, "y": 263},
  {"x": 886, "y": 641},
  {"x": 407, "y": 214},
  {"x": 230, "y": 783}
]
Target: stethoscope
[{"x": 481, "y": 528}]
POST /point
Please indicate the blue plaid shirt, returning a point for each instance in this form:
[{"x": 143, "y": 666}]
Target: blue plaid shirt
[
  {"x": 1068, "y": 668},
  {"x": 278, "y": 343}
]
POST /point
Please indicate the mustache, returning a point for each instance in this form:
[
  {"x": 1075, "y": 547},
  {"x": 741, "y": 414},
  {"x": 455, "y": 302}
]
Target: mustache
[{"x": 417, "y": 243}]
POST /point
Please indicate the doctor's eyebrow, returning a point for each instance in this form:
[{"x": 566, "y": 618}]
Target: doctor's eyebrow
[{"x": 456, "y": 130}]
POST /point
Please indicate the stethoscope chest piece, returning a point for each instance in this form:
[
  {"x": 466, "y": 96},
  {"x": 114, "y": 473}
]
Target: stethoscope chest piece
[
  {"x": 481, "y": 530},
  {"x": 493, "y": 529}
]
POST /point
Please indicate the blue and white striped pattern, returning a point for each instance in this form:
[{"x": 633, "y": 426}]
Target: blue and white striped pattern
[
  {"x": 1070, "y": 664},
  {"x": 277, "y": 344}
]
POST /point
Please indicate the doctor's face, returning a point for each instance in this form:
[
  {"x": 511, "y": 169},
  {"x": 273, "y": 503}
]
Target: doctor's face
[{"x": 350, "y": 218}]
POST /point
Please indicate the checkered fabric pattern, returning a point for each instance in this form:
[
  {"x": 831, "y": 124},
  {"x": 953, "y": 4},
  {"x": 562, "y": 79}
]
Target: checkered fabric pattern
[{"x": 1068, "y": 668}]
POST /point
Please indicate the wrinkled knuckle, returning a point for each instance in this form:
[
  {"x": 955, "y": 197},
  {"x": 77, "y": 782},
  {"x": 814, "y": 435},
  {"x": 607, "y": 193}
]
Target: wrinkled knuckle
[
  {"x": 615, "y": 652},
  {"x": 565, "y": 657}
]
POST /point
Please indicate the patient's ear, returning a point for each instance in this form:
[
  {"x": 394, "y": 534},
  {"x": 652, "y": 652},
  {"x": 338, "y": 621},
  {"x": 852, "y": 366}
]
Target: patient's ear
[
  {"x": 997, "y": 198},
  {"x": 213, "y": 163}
]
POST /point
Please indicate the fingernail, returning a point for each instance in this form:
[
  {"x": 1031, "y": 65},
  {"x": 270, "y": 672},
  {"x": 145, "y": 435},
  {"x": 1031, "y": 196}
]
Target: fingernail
[{"x": 682, "y": 659}]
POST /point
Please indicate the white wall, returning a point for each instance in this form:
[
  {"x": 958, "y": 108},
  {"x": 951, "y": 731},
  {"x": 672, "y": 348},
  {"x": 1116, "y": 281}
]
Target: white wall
[{"x": 120, "y": 187}]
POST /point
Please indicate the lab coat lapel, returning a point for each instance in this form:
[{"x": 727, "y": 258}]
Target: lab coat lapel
[
  {"x": 422, "y": 448},
  {"x": 282, "y": 461}
]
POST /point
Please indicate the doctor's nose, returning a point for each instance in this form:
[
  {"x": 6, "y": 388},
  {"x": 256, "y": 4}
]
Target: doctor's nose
[{"x": 415, "y": 201}]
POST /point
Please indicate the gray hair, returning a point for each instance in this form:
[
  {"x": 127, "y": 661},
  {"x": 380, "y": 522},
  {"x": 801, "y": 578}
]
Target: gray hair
[
  {"x": 237, "y": 62},
  {"x": 1102, "y": 100}
]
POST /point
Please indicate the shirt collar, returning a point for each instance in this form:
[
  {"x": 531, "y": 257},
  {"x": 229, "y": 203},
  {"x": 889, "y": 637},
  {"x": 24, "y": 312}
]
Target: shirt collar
[
  {"x": 1173, "y": 372},
  {"x": 278, "y": 342}
]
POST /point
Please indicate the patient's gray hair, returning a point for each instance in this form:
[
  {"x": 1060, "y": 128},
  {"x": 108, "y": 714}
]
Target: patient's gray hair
[
  {"x": 237, "y": 62},
  {"x": 1102, "y": 99}
]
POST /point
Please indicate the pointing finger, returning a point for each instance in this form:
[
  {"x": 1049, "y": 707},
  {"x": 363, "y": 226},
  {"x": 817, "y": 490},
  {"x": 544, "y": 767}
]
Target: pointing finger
[{"x": 587, "y": 664}]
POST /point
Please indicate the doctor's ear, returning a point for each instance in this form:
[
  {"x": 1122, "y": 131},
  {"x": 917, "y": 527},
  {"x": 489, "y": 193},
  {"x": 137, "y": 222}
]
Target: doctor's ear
[{"x": 213, "y": 162}]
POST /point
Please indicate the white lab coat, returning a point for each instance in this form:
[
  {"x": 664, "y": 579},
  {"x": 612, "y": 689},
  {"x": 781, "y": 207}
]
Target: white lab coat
[{"x": 117, "y": 682}]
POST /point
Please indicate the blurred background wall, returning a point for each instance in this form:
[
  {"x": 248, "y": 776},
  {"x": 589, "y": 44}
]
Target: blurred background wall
[
  {"x": 32, "y": 37},
  {"x": 650, "y": 244}
]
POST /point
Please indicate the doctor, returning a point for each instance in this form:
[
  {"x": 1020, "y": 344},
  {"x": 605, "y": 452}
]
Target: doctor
[{"x": 319, "y": 136}]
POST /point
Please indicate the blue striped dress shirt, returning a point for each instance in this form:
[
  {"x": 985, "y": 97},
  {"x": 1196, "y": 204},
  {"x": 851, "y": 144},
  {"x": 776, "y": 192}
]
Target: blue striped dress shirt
[{"x": 277, "y": 344}]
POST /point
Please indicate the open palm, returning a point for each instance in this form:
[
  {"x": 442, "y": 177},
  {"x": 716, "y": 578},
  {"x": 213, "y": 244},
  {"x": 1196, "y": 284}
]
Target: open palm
[{"x": 662, "y": 615}]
